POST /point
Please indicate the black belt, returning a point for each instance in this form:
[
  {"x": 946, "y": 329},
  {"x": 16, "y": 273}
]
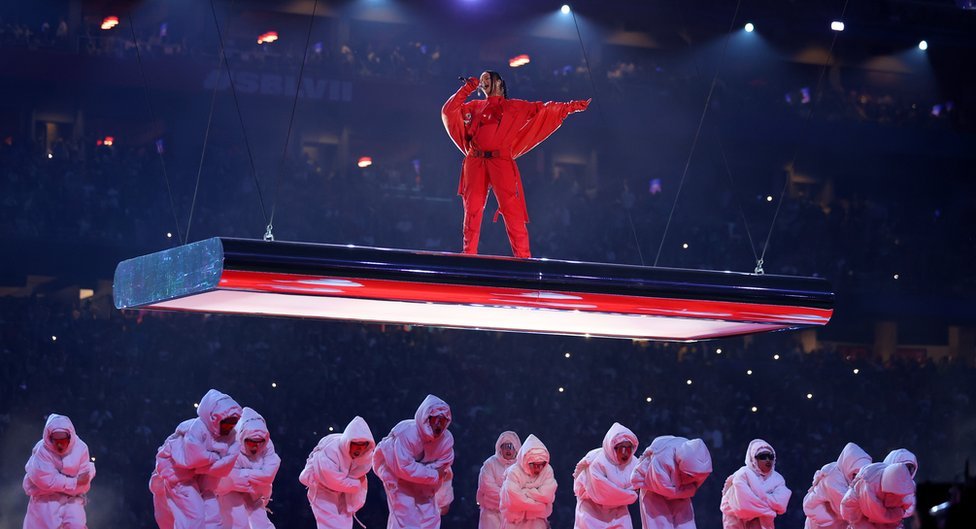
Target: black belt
[{"x": 484, "y": 154}]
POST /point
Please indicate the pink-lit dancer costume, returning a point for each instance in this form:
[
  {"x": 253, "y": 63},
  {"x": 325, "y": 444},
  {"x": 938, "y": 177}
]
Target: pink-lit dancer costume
[
  {"x": 822, "y": 503},
  {"x": 410, "y": 462},
  {"x": 602, "y": 484},
  {"x": 244, "y": 494},
  {"x": 901, "y": 455},
  {"x": 752, "y": 499},
  {"x": 190, "y": 464},
  {"x": 336, "y": 481},
  {"x": 492, "y": 133},
  {"x": 880, "y": 497},
  {"x": 668, "y": 475},
  {"x": 526, "y": 499},
  {"x": 57, "y": 499},
  {"x": 490, "y": 482}
]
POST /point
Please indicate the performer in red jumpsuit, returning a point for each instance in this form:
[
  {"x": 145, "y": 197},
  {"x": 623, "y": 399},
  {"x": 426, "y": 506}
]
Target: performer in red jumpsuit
[{"x": 492, "y": 133}]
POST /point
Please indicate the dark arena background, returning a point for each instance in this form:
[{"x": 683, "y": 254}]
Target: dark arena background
[{"x": 848, "y": 155}]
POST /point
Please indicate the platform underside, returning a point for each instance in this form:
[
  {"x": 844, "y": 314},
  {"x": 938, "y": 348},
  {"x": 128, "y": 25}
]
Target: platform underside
[{"x": 233, "y": 276}]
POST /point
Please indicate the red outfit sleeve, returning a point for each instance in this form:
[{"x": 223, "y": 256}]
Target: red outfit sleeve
[
  {"x": 452, "y": 113},
  {"x": 541, "y": 120}
]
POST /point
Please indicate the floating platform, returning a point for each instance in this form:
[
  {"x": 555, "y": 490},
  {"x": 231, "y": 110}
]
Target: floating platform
[{"x": 378, "y": 285}]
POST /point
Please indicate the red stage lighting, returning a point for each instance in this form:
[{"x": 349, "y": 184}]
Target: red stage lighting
[{"x": 519, "y": 60}]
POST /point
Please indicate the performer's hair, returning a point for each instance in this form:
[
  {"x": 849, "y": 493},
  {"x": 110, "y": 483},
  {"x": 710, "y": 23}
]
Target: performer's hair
[{"x": 495, "y": 76}]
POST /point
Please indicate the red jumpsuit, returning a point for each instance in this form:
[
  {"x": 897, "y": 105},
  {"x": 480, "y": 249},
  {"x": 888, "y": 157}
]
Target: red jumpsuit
[{"x": 492, "y": 133}]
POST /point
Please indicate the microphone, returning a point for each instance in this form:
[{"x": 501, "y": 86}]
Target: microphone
[{"x": 462, "y": 79}]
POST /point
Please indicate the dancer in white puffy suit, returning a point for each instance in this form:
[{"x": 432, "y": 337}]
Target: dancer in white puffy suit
[
  {"x": 414, "y": 463},
  {"x": 191, "y": 462},
  {"x": 880, "y": 497},
  {"x": 490, "y": 479},
  {"x": 602, "y": 485},
  {"x": 901, "y": 455},
  {"x": 822, "y": 503},
  {"x": 755, "y": 494},
  {"x": 335, "y": 474},
  {"x": 244, "y": 494},
  {"x": 668, "y": 474},
  {"x": 59, "y": 474},
  {"x": 529, "y": 488}
]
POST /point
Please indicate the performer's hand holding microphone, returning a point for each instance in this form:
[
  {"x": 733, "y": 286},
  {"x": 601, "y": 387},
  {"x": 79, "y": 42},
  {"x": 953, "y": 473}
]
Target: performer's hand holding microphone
[{"x": 470, "y": 81}]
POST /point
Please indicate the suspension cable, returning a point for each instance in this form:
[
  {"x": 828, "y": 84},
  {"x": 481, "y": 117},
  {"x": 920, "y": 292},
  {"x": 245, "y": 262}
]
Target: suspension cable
[
  {"x": 269, "y": 231},
  {"x": 206, "y": 138},
  {"x": 152, "y": 118},
  {"x": 701, "y": 121},
  {"x": 240, "y": 116},
  {"x": 589, "y": 74},
  {"x": 806, "y": 128},
  {"x": 735, "y": 196}
]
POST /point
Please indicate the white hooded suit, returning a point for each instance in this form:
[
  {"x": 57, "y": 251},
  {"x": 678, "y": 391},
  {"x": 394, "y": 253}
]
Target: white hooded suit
[
  {"x": 407, "y": 460},
  {"x": 751, "y": 499},
  {"x": 244, "y": 494},
  {"x": 879, "y": 497},
  {"x": 900, "y": 455},
  {"x": 822, "y": 503},
  {"x": 57, "y": 500},
  {"x": 190, "y": 464},
  {"x": 490, "y": 482},
  {"x": 602, "y": 484},
  {"x": 668, "y": 475},
  {"x": 336, "y": 481},
  {"x": 526, "y": 500}
]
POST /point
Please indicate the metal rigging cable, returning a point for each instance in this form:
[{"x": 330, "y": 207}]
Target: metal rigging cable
[
  {"x": 240, "y": 116},
  {"x": 589, "y": 74},
  {"x": 269, "y": 231},
  {"x": 701, "y": 121},
  {"x": 152, "y": 117},
  {"x": 206, "y": 138},
  {"x": 796, "y": 152}
]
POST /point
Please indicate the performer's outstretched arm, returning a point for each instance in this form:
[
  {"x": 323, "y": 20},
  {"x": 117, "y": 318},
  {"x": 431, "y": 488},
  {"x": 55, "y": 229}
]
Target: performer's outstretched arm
[
  {"x": 541, "y": 120},
  {"x": 452, "y": 113},
  {"x": 559, "y": 109}
]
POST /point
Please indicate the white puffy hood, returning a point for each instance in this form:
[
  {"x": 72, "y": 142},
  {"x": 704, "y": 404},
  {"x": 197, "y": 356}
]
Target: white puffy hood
[
  {"x": 253, "y": 426},
  {"x": 693, "y": 458},
  {"x": 756, "y": 446},
  {"x": 431, "y": 407},
  {"x": 617, "y": 434},
  {"x": 533, "y": 451},
  {"x": 215, "y": 407},
  {"x": 902, "y": 455},
  {"x": 852, "y": 459}
]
